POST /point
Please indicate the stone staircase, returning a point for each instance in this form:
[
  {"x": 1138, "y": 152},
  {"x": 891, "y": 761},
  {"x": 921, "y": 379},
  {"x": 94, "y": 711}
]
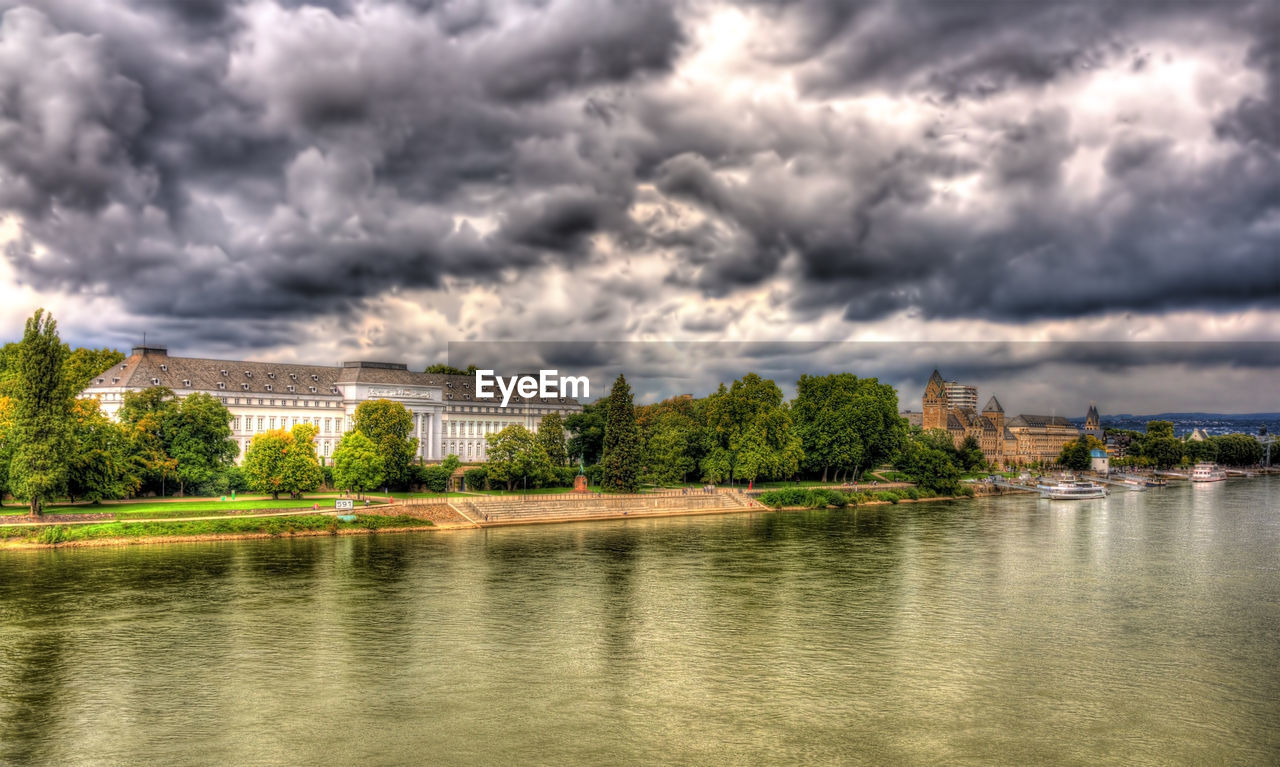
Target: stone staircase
[{"x": 569, "y": 506}]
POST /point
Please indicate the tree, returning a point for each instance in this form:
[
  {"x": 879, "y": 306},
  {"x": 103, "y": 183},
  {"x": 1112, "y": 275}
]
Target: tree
[
  {"x": 970, "y": 454},
  {"x": 301, "y": 472},
  {"x": 1238, "y": 450},
  {"x": 751, "y": 433},
  {"x": 1076, "y": 455},
  {"x": 671, "y": 448},
  {"x": 449, "y": 370},
  {"x": 587, "y": 430},
  {"x": 1159, "y": 429},
  {"x": 357, "y": 466},
  {"x": 1198, "y": 451},
  {"x": 451, "y": 463},
  {"x": 263, "y": 465},
  {"x": 516, "y": 456},
  {"x": 924, "y": 459},
  {"x": 100, "y": 467},
  {"x": 6, "y": 443},
  {"x": 388, "y": 425},
  {"x": 1163, "y": 451},
  {"x": 551, "y": 437},
  {"x": 846, "y": 423},
  {"x": 41, "y": 429},
  {"x": 83, "y": 365},
  {"x": 196, "y": 433},
  {"x": 620, "y": 460}
]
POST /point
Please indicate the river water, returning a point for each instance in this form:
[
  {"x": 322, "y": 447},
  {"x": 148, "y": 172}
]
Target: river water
[{"x": 1140, "y": 629}]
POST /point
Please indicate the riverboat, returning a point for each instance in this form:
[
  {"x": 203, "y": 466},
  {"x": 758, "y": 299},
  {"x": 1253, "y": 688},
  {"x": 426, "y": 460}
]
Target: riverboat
[
  {"x": 1207, "y": 472},
  {"x": 1071, "y": 490}
]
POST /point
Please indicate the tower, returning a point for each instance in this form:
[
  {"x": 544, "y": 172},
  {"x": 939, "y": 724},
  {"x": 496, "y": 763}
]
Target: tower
[
  {"x": 1092, "y": 422},
  {"x": 995, "y": 414},
  {"x": 935, "y": 403}
]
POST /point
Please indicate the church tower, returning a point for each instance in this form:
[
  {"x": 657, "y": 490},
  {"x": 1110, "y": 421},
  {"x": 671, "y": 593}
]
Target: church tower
[
  {"x": 1092, "y": 422},
  {"x": 995, "y": 414},
  {"x": 935, "y": 403}
]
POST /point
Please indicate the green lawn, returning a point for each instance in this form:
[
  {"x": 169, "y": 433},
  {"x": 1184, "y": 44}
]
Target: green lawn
[
  {"x": 228, "y": 526},
  {"x": 163, "y": 509}
]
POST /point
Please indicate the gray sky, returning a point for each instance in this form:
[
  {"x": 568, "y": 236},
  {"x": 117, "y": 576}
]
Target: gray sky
[{"x": 377, "y": 178}]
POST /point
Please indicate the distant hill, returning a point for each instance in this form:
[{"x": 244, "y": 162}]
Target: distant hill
[{"x": 1190, "y": 417}]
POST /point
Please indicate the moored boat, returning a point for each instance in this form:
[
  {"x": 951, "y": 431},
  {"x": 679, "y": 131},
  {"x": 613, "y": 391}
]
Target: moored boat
[
  {"x": 1207, "y": 472},
  {"x": 1071, "y": 490}
]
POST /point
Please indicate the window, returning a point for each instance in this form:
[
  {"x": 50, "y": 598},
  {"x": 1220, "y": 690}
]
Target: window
[
  {"x": 164, "y": 368},
  {"x": 291, "y": 388},
  {"x": 327, "y": 423},
  {"x": 248, "y": 374},
  {"x": 222, "y": 384},
  {"x": 155, "y": 381},
  {"x": 260, "y": 421},
  {"x": 268, "y": 387},
  {"x": 272, "y": 376},
  {"x": 224, "y": 372},
  {"x": 312, "y": 388},
  {"x": 186, "y": 382}
]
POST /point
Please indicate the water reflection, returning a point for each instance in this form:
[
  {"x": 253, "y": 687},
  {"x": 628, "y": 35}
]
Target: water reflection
[{"x": 1139, "y": 629}]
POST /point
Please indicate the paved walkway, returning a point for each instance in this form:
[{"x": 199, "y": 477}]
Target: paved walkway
[{"x": 290, "y": 513}]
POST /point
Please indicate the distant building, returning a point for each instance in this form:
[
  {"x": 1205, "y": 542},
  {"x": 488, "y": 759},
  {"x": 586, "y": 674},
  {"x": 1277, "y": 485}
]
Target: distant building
[
  {"x": 1092, "y": 423},
  {"x": 962, "y": 396},
  {"x": 912, "y": 417},
  {"x": 1197, "y": 435},
  {"x": 1099, "y": 461},
  {"x": 1023, "y": 439}
]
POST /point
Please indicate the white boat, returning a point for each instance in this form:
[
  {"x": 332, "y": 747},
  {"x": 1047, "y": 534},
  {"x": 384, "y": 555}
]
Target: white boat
[
  {"x": 1207, "y": 472},
  {"x": 1071, "y": 490}
]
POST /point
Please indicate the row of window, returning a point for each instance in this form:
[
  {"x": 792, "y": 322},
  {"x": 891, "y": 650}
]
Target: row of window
[
  {"x": 323, "y": 447},
  {"x": 477, "y": 428},
  {"x": 269, "y": 422}
]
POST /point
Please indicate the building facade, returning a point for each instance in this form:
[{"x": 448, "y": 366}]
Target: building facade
[
  {"x": 447, "y": 416},
  {"x": 1022, "y": 439}
]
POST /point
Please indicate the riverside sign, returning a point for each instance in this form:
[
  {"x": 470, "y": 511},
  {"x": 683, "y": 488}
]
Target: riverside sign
[{"x": 548, "y": 383}]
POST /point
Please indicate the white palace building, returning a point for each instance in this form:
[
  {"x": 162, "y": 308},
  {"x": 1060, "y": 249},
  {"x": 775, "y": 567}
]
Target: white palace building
[{"x": 447, "y": 416}]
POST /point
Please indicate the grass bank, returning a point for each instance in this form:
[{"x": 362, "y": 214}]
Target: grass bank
[
  {"x": 109, "y": 533},
  {"x": 171, "y": 509}
]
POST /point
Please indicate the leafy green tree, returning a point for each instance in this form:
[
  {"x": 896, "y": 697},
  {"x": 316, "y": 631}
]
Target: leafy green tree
[
  {"x": 1238, "y": 450},
  {"x": 671, "y": 448},
  {"x": 100, "y": 467},
  {"x": 357, "y": 465},
  {"x": 620, "y": 460},
  {"x": 929, "y": 466},
  {"x": 83, "y": 365},
  {"x": 196, "y": 433},
  {"x": 1198, "y": 451},
  {"x": 1076, "y": 454},
  {"x": 388, "y": 425},
  {"x": 449, "y": 370},
  {"x": 587, "y": 432},
  {"x": 41, "y": 431},
  {"x": 516, "y": 456},
  {"x": 451, "y": 463},
  {"x": 751, "y": 433},
  {"x": 301, "y": 472},
  {"x": 1158, "y": 429},
  {"x": 263, "y": 464},
  {"x": 846, "y": 423},
  {"x": 551, "y": 437},
  {"x": 434, "y": 478},
  {"x": 1163, "y": 451}
]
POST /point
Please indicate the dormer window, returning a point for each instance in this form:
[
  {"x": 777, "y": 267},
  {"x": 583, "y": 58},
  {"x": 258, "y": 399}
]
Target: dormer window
[
  {"x": 312, "y": 388},
  {"x": 271, "y": 375},
  {"x": 186, "y": 382},
  {"x": 155, "y": 381},
  {"x": 244, "y": 386},
  {"x": 224, "y": 372},
  {"x": 100, "y": 380},
  {"x": 268, "y": 387},
  {"x": 292, "y": 388},
  {"x": 315, "y": 377},
  {"x": 222, "y": 384},
  {"x": 165, "y": 368},
  {"x": 294, "y": 376},
  {"x": 115, "y": 380}
]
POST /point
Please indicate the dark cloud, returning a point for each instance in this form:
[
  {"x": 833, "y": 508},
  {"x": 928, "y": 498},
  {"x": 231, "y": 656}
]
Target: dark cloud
[{"x": 281, "y": 159}]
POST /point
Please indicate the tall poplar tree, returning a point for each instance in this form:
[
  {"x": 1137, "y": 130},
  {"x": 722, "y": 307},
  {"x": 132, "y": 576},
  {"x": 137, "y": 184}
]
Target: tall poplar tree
[
  {"x": 41, "y": 415},
  {"x": 621, "y": 461}
]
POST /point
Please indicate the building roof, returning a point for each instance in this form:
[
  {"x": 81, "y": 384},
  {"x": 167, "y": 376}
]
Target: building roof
[
  {"x": 1025, "y": 420},
  {"x": 993, "y": 406}
]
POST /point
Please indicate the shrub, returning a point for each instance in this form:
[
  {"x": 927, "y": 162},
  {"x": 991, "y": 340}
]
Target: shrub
[
  {"x": 888, "y": 495},
  {"x": 824, "y": 497},
  {"x": 477, "y": 478},
  {"x": 434, "y": 478},
  {"x": 912, "y": 493}
]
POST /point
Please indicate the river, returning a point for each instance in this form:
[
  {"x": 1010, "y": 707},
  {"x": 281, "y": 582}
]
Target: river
[{"x": 1140, "y": 629}]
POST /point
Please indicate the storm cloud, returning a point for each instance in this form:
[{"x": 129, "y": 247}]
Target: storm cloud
[{"x": 232, "y": 172}]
